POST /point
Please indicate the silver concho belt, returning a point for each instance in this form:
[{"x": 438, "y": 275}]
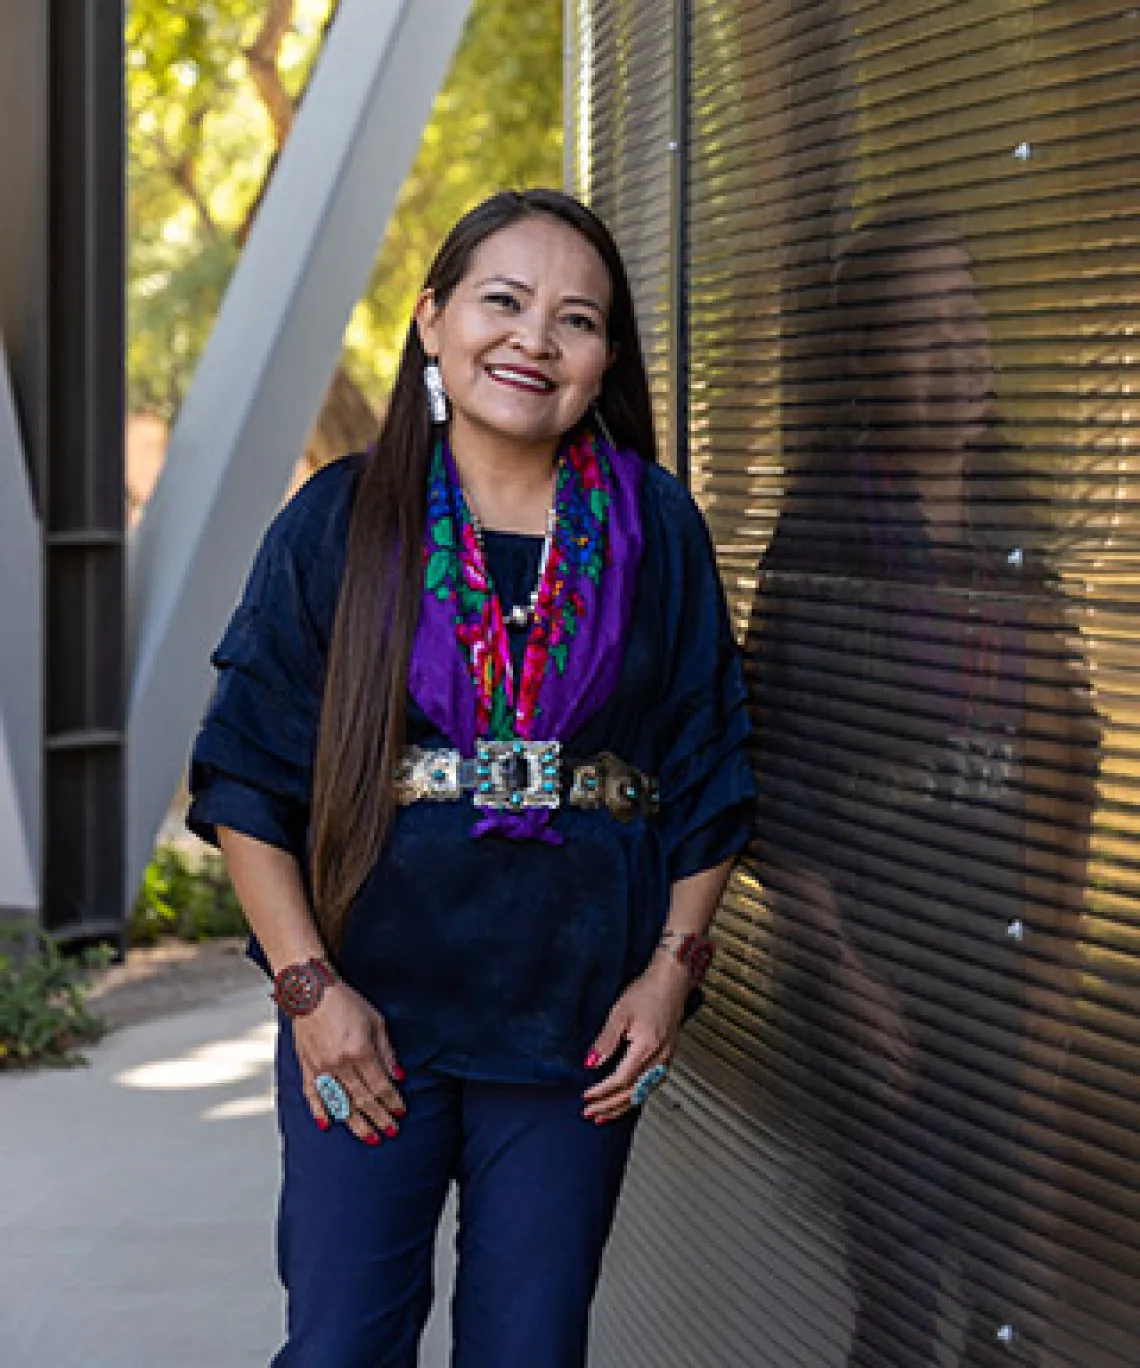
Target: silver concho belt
[{"x": 511, "y": 776}]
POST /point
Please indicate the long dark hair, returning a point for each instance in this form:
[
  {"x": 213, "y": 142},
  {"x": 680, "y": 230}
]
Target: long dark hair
[{"x": 363, "y": 713}]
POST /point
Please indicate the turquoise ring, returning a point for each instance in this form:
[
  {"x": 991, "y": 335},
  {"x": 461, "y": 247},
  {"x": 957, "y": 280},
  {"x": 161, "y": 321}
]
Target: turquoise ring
[
  {"x": 647, "y": 1083},
  {"x": 334, "y": 1095}
]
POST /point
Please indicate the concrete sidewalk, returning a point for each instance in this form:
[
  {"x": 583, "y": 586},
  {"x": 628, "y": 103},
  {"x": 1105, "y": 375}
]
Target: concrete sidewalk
[{"x": 137, "y": 1201}]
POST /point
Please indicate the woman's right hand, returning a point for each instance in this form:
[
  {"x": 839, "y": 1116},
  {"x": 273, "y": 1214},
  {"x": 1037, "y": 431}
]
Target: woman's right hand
[{"x": 346, "y": 1037}]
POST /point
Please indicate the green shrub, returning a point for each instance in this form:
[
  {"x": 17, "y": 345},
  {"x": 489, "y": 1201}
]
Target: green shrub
[
  {"x": 43, "y": 1012},
  {"x": 192, "y": 900}
]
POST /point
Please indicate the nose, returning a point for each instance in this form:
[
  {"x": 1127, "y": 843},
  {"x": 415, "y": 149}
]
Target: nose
[{"x": 534, "y": 334}]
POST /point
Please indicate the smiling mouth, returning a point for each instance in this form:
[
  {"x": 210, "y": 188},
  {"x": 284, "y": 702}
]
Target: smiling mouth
[{"x": 531, "y": 382}]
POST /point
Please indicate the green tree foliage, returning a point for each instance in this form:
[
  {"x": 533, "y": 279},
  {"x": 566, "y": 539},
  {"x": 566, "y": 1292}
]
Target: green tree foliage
[
  {"x": 185, "y": 72},
  {"x": 212, "y": 89},
  {"x": 201, "y": 141}
]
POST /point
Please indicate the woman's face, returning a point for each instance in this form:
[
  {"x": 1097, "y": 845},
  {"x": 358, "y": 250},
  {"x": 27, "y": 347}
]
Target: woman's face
[
  {"x": 523, "y": 341},
  {"x": 925, "y": 375}
]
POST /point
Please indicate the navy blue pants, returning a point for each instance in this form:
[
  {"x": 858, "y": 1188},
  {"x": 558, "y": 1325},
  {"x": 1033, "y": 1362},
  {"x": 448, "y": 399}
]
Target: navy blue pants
[{"x": 537, "y": 1188}]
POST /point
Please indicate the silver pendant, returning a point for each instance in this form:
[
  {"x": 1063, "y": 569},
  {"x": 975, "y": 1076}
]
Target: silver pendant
[{"x": 519, "y": 616}]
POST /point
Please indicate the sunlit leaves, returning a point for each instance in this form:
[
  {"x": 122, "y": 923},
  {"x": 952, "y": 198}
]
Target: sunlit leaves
[{"x": 199, "y": 145}]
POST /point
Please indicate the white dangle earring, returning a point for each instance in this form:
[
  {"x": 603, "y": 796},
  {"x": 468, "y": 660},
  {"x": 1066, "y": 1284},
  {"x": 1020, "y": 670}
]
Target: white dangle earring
[{"x": 437, "y": 395}]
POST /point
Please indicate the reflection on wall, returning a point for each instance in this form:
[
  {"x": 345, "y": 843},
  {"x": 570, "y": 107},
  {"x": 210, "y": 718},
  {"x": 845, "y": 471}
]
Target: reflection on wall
[
  {"x": 621, "y": 150},
  {"x": 928, "y": 753},
  {"x": 913, "y": 315}
]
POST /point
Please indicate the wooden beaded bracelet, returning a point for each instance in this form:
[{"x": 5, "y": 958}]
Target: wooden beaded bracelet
[
  {"x": 694, "y": 952},
  {"x": 298, "y": 988}
]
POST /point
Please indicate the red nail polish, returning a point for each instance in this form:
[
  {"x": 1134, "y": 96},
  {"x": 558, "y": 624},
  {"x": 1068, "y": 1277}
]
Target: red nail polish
[
  {"x": 398, "y": 1074},
  {"x": 322, "y": 1123},
  {"x": 593, "y": 1059},
  {"x": 391, "y": 1132},
  {"x": 599, "y": 1120},
  {"x": 372, "y": 1140}
]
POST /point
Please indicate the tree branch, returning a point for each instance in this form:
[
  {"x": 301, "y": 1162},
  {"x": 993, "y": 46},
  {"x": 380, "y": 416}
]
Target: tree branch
[
  {"x": 180, "y": 169},
  {"x": 262, "y": 57}
]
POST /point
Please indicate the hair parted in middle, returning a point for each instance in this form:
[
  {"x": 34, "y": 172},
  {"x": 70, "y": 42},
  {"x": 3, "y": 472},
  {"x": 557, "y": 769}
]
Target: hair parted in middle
[{"x": 363, "y": 712}]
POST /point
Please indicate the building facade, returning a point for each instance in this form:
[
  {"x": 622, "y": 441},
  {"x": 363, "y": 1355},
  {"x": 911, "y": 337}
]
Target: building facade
[{"x": 887, "y": 258}]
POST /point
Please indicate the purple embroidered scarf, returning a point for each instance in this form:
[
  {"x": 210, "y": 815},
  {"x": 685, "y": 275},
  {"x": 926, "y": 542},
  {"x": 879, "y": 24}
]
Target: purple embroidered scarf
[{"x": 574, "y": 653}]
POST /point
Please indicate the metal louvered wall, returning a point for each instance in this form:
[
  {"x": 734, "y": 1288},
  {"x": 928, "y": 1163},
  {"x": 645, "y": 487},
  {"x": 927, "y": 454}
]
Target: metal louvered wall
[
  {"x": 897, "y": 282},
  {"x": 623, "y": 158}
]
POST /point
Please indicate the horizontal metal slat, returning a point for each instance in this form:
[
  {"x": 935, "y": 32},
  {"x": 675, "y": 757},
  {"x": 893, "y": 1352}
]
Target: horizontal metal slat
[{"x": 805, "y": 118}]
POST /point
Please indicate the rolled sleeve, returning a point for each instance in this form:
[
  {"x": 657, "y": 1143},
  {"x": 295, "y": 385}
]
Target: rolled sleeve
[
  {"x": 252, "y": 763},
  {"x": 224, "y": 802},
  {"x": 707, "y": 786}
]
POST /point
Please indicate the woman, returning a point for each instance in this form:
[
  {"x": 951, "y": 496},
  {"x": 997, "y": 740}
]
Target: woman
[
  {"x": 927, "y": 768},
  {"x": 476, "y": 759}
]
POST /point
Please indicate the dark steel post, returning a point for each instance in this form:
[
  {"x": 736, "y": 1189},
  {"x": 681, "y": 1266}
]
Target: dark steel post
[
  {"x": 62, "y": 314},
  {"x": 679, "y": 250}
]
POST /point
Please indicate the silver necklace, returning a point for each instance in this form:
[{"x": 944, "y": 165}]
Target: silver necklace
[{"x": 522, "y": 614}]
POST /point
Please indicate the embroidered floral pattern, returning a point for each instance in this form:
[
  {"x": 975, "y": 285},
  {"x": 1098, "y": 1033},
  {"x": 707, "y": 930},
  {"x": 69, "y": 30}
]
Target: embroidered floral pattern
[{"x": 455, "y": 572}]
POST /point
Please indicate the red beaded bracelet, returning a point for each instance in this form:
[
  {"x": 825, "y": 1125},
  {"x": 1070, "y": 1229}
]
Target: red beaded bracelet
[
  {"x": 298, "y": 988},
  {"x": 694, "y": 952}
]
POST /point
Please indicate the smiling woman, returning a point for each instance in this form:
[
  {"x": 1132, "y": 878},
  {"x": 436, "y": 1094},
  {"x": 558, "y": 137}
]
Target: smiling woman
[
  {"x": 480, "y": 777},
  {"x": 522, "y": 346}
]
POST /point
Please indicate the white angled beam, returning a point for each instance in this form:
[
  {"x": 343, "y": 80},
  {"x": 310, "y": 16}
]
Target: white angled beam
[
  {"x": 21, "y": 668},
  {"x": 266, "y": 369}
]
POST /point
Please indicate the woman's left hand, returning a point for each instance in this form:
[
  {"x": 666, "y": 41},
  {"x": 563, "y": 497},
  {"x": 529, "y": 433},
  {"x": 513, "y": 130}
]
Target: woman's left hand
[{"x": 647, "y": 1017}]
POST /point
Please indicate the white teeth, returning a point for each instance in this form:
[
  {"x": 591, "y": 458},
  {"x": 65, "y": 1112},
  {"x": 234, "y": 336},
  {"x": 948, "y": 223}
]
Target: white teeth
[{"x": 517, "y": 378}]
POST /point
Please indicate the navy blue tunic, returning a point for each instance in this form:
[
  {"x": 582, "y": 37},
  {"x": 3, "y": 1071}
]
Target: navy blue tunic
[{"x": 492, "y": 959}]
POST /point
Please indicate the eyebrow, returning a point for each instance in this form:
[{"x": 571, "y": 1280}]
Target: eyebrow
[{"x": 529, "y": 289}]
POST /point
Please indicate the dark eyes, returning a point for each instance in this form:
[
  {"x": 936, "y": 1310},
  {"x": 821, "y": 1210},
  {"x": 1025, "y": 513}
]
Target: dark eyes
[
  {"x": 503, "y": 300},
  {"x": 509, "y": 303}
]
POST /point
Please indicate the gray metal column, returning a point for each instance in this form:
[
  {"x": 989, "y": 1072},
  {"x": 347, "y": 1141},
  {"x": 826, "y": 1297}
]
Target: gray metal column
[
  {"x": 21, "y": 724},
  {"x": 23, "y": 352},
  {"x": 261, "y": 380}
]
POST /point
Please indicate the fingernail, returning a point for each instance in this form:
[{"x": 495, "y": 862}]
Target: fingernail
[
  {"x": 322, "y": 1123},
  {"x": 372, "y": 1140},
  {"x": 399, "y": 1111},
  {"x": 599, "y": 1120},
  {"x": 398, "y": 1074},
  {"x": 593, "y": 1059},
  {"x": 391, "y": 1132}
]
